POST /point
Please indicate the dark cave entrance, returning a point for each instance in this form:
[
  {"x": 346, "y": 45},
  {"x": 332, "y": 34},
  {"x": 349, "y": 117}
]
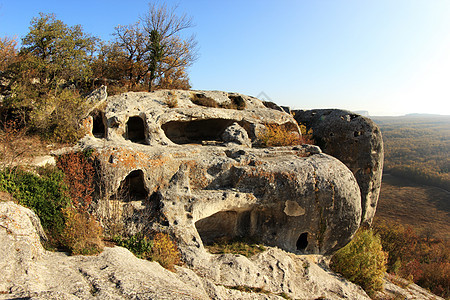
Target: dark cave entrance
[
  {"x": 196, "y": 132},
  {"x": 136, "y": 130},
  {"x": 132, "y": 188},
  {"x": 224, "y": 226},
  {"x": 98, "y": 126},
  {"x": 302, "y": 241}
]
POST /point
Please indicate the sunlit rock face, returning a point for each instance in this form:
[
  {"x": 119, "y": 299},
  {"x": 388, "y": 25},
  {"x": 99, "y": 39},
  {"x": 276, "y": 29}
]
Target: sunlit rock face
[
  {"x": 357, "y": 142},
  {"x": 190, "y": 163}
]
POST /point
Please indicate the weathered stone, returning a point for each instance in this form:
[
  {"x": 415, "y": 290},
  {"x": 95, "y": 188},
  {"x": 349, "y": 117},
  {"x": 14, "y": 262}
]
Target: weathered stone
[
  {"x": 236, "y": 134},
  {"x": 147, "y": 118},
  {"x": 357, "y": 142},
  {"x": 273, "y": 195},
  {"x": 19, "y": 242},
  {"x": 28, "y": 271}
]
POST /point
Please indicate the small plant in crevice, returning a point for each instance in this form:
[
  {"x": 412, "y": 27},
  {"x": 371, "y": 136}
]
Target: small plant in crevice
[
  {"x": 242, "y": 246},
  {"x": 160, "y": 248},
  {"x": 172, "y": 101}
]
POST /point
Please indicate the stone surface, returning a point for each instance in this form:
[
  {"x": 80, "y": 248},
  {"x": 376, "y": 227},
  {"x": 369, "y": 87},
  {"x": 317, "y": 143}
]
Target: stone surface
[
  {"x": 30, "y": 272},
  {"x": 201, "y": 194},
  {"x": 357, "y": 142},
  {"x": 19, "y": 242},
  {"x": 200, "y": 117},
  {"x": 117, "y": 274},
  {"x": 236, "y": 134},
  {"x": 184, "y": 168}
]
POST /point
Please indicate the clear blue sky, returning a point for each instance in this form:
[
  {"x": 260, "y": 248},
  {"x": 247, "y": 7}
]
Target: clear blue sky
[{"x": 389, "y": 57}]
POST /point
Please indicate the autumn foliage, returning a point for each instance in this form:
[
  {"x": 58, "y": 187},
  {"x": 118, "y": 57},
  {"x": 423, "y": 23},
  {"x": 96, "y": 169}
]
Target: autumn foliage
[
  {"x": 278, "y": 135},
  {"x": 82, "y": 234},
  {"x": 423, "y": 260}
]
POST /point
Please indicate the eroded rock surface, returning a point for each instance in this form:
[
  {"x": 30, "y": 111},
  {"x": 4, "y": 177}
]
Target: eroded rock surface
[
  {"x": 357, "y": 142},
  {"x": 28, "y": 271},
  {"x": 206, "y": 193}
]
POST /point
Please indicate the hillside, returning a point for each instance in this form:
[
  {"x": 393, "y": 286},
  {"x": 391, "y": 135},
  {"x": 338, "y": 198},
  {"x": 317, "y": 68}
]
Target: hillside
[
  {"x": 416, "y": 177},
  {"x": 417, "y": 147}
]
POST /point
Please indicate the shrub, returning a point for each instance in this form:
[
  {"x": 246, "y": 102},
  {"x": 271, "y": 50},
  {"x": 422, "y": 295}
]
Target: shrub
[
  {"x": 161, "y": 248},
  {"x": 139, "y": 244},
  {"x": 12, "y": 145},
  {"x": 45, "y": 195},
  {"x": 82, "y": 233},
  {"x": 57, "y": 117},
  {"x": 79, "y": 177},
  {"x": 276, "y": 135},
  {"x": 362, "y": 261},
  {"x": 165, "y": 251}
]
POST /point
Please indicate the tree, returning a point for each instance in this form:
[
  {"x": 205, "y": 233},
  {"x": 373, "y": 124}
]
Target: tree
[
  {"x": 8, "y": 52},
  {"x": 62, "y": 52},
  {"x": 169, "y": 51},
  {"x": 151, "y": 53}
]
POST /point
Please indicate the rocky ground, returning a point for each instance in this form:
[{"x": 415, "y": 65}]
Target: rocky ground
[{"x": 30, "y": 272}]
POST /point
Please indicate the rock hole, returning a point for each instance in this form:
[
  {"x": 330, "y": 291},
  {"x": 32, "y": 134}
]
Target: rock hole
[
  {"x": 219, "y": 226},
  {"x": 224, "y": 226},
  {"x": 302, "y": 241},
  {"x": 237, "y": 102},
  {"x": 133, "y": 188},
  {"x": 196, "y": 132},
  {"x": 98, "y": 126},
  {"x": 136, "y": 130}
]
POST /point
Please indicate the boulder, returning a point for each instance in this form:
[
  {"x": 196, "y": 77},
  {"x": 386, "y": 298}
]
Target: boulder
[
  {"x": 236, "y": 134},
  {"x": 284, "y": 196},
  {"x": 357, "y": 142},
  {"x": 200, "y": 117},
  {"x": 192, "y": 169},
  {"x": 20, "y": 243}
]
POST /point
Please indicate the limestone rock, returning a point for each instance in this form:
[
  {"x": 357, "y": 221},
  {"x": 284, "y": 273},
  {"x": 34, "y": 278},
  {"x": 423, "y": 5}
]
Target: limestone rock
[
  {"x": 20, "y": 246},
  {"x": 357, "y": 142},
  {"x": 196, "y": 174},
  {"x": 236, "y": 134},
  {"x": 200, "y": 117},
  {"x": 30, "y": 272},
  {"x": 284, "y": 196}
]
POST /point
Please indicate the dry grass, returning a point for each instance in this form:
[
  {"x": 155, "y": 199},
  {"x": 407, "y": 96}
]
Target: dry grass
[{"x": 237, "y": 246}]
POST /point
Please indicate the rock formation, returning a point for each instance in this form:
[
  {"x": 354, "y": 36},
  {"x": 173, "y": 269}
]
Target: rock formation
[
  {"x": 195, "y": 170},
  {"x": 30, "y": 272},
  {"x": 354, "y": 140}
]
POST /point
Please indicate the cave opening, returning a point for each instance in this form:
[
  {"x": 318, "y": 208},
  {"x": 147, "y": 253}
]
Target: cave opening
[
  {"x": 302, "y": 241},
  {"x": 98, "y": 126},
  {"x": 133, "y": 188},
  {"x": 136, "y": 130},
  {"x": 196, "y": 132}
]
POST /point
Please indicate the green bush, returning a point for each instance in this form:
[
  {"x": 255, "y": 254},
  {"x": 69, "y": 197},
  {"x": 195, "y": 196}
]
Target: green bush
[
  {"x": 362, "y": 261},
  {"x": 140, "y": 245},
  {"x": 160, "y": 248},
  {"x": 44, "y": 194}
]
